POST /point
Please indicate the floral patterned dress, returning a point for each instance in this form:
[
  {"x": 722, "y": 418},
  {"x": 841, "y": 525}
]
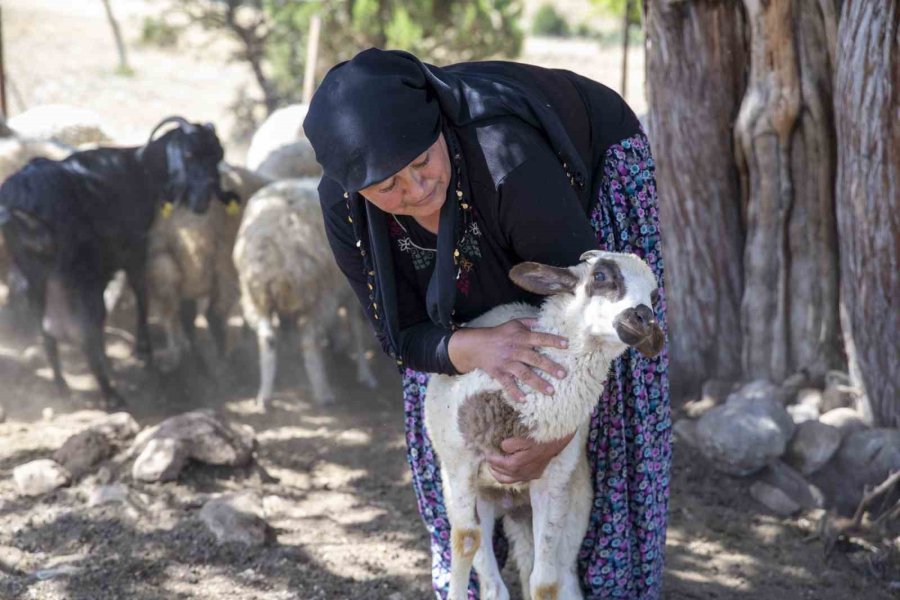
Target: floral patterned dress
[{"x": 629, "y": 441}]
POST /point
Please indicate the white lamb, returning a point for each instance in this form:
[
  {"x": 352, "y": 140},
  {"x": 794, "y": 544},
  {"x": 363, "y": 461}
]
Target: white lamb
[
  {"x": 602, "y": 305},
  {"x": 287, "y": 272}
]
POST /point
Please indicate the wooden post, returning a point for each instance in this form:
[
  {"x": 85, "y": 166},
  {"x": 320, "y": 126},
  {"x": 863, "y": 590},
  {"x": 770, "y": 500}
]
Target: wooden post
[
  {"x": 4, "y": 112},
  {"x": 625, "y": 26},
  {"x": 312, "y": 53}
]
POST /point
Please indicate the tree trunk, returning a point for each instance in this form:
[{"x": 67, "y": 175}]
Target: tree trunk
[
  {"x": 117, "y": 34},
  {"x": 867, "y": 105},
  {"x": 785, "y": 153},
  {"x": 696, "y": 57}
]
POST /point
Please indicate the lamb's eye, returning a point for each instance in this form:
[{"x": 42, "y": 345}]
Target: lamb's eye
[{"x": 599, "y": 276}]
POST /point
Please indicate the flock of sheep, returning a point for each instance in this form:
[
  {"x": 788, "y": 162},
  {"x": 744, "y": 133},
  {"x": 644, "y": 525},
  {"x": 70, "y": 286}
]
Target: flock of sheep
[{"x": 255, "y": 240}]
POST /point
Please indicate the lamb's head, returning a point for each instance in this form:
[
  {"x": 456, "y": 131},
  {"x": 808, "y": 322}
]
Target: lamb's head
[{"x": 608, "y": 297}]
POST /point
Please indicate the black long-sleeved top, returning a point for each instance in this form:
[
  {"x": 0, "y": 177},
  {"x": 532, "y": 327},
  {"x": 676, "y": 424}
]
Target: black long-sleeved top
[{"x": 524, "y": 208}]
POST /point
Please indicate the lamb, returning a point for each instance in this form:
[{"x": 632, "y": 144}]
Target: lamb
[
  {"x": 61, "y": 123},
  {"x": 189, "y": 260},
  {"x": 286, "y": 271},
  {"x": 279, "y": 148},
  {"x": 602, "y": 305},
  {"x": 71, "y": 224}
]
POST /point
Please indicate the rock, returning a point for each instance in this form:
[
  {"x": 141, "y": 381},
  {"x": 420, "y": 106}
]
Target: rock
[
  {"x": 108, "y": 494},
  {"x": 14, "y": 560},
  {"x": 236, "y": 518},
  {"x": 864, "y": 458},
  {"x": 813, "y": 445},
  {"x": 40, "y": 476},
  {"x": 846, "y": 420},
  {"x": 161, "y": 460},
  {"x": 118, "y": 427},
  {"x": 740, "y": 437},
  {"x": 773, "y": 498},
  {"x": 838, "y": 396},
  {"x": 716, "y": 389},
  {"x": 795, "y": 382},
  {"x": 809, "y": 397},
  {"x": 82, "y": 451},
  {"x": 793, "y": 484},
  {"x": 197, "y": 435},
  {"x": 800, "y": 413},
  {"x": 47, "y": 413},
  {"x": 697, "y": 408},
  {"x": 686, "y": 431}
]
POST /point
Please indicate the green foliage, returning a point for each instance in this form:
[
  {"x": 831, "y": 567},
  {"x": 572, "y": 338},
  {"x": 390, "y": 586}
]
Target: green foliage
[
  {"x": 158, "y": 32},
  {"x": 273, "y": 33},
  {"x": 549, "y": 22},
  {"x": 617, "y": 8}
]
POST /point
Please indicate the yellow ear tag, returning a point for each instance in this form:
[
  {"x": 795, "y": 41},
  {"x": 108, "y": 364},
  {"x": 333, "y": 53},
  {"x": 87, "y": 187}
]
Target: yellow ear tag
[
  {"x": 233, "y": 208},
  {"x": 166, "y": 210}
]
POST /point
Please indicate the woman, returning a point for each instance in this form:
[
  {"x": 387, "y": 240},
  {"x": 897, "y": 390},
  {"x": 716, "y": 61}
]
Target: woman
[{"x": 436, "y": 182}]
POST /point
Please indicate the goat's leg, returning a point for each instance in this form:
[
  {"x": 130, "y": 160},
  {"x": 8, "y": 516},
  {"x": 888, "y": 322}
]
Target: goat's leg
[
  {"x": 314, "y": 363},
  {"x": 550, "y": 504},
  {"x": 91, "y": 325},
  {"x": 360, "y": 333},
  {"x": 458, "y": 481},
  {"x": 138, "y": 281},
  {"x": 521, "y": 540},
  {"x": 52, "y": 350},
  {"x": 485, "y": 562},
  {"x": 268, "y": 360}
]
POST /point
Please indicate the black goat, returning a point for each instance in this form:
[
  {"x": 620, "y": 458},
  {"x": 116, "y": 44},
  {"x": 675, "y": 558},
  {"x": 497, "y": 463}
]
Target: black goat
[{"x": 71, "y": 224}]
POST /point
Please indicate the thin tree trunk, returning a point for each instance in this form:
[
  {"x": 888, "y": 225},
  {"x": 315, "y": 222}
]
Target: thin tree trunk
[
  {"x": 117, "y": 34},
  {"x": 786, "y": 157},
  {"x": 867, "y": 106},
  {"x": 696, "y": 57},
  {"x": 625, "y": 27}
]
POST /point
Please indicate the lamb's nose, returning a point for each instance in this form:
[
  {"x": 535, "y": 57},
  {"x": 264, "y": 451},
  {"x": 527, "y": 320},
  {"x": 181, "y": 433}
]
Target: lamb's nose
[{"x": 644, "y": 315}]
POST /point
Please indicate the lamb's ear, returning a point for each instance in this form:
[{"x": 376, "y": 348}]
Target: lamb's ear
[
  {"x": 589, "y": 255},
  {"x": 543, "y": 279}
]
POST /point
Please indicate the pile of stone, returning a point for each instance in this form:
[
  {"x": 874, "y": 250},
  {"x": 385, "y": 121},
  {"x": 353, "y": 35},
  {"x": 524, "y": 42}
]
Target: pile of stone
[
  {"x": 160, "y": 453},
  {"x": 805, "y": 447}
]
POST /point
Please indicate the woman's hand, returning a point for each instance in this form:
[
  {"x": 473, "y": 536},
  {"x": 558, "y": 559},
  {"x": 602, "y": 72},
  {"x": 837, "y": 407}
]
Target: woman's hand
[
  {"x": 524, "y": 459},
  {"x": 507, "y": 353}
]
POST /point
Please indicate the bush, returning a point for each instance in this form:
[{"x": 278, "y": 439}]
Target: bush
[
  {"x": 549, "y": 22},
  {"x": 159, "y": 32}
]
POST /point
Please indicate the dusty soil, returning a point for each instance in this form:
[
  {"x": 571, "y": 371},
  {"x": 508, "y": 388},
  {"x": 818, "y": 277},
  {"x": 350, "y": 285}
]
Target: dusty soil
[{"x": 334, "y": 479}]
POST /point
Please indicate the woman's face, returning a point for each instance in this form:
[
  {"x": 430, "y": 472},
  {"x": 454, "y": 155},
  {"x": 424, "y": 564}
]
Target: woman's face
[{"x": 419, "y": 189}]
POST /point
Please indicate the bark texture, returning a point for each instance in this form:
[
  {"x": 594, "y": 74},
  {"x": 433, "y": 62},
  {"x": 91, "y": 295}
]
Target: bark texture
[
  {"x": 696, "y": 69},
  {"x": 867, "y": 105},
  {"x": 786, "y": 155}
]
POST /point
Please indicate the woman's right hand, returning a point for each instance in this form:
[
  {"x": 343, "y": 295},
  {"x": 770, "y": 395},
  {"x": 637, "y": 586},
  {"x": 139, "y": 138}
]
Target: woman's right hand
[{"x": 508, "y": 353}]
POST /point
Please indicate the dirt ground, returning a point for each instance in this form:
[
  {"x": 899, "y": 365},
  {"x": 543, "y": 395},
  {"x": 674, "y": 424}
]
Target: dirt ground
[{"x": 334, "y": 479}]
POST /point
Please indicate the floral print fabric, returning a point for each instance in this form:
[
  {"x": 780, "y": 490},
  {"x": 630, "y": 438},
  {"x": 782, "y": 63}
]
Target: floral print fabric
[{"x": 629, "y": 442}]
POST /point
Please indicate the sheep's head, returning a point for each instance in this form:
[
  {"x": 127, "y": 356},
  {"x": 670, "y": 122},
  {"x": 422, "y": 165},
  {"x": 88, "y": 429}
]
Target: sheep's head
[{"x": 610, "y": 294}]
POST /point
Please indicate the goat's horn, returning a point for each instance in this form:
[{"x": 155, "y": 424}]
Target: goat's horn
[{"x": 173, "y": 119}]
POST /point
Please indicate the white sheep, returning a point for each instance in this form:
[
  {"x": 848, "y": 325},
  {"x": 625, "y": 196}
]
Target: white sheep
[
  {"x": 61, "y": 123},
  {"x": 291, "y": 161},
  {"x": 283, "y": 127},
  {"x": 190, "y": 260},
  {"x": 602, "y": 305},
  {"x": 287, "y": 272}
]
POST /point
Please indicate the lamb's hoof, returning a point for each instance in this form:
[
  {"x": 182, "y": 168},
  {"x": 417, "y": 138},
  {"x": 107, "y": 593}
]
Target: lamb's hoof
[
  {"x": 263, "y": 403},
  {"x": 493, "y": 589}
]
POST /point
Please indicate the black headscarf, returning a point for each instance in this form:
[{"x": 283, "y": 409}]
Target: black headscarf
[{"x": 372, "y": 115}]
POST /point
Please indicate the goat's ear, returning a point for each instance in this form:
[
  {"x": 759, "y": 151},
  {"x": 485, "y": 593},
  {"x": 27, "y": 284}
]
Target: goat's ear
[
  {"x": 210, "y": 127},
  {"x": 177, "y": 183},
  {"x": 543, "y": 279}
]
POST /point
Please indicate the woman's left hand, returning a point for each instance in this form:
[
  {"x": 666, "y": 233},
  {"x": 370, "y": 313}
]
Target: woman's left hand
[{"x": 524, "y": 459}]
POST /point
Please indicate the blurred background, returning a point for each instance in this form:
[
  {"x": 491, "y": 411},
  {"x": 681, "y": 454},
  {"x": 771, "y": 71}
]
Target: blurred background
[{"x": 775, "y": 129}]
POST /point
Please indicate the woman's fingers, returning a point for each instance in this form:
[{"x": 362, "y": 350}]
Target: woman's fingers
[
  {"x": 539, "y": 361},
  {"x": 509, "y": 384},
  {"x": 536, "y": 338},
  {"x": 531, "y": 379}
]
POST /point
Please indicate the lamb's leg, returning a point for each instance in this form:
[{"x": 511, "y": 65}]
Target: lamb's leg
[
  {"x": 581, "y": 496},
  {"x": 521, "y": 540},
  {"x": 268, "y": 359},
  {"x": 491, "y": 583},
  {"x": 465, "y": 533},
  {"x": 360, "y": 333},
  {"x": 314, "y": 362},
  {"x": 550, "y": 504}
]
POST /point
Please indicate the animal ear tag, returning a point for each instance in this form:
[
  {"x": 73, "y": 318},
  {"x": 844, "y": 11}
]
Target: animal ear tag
[
  {"x": 233, "y": 208},
  {"x": 166, "y": 210}
]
